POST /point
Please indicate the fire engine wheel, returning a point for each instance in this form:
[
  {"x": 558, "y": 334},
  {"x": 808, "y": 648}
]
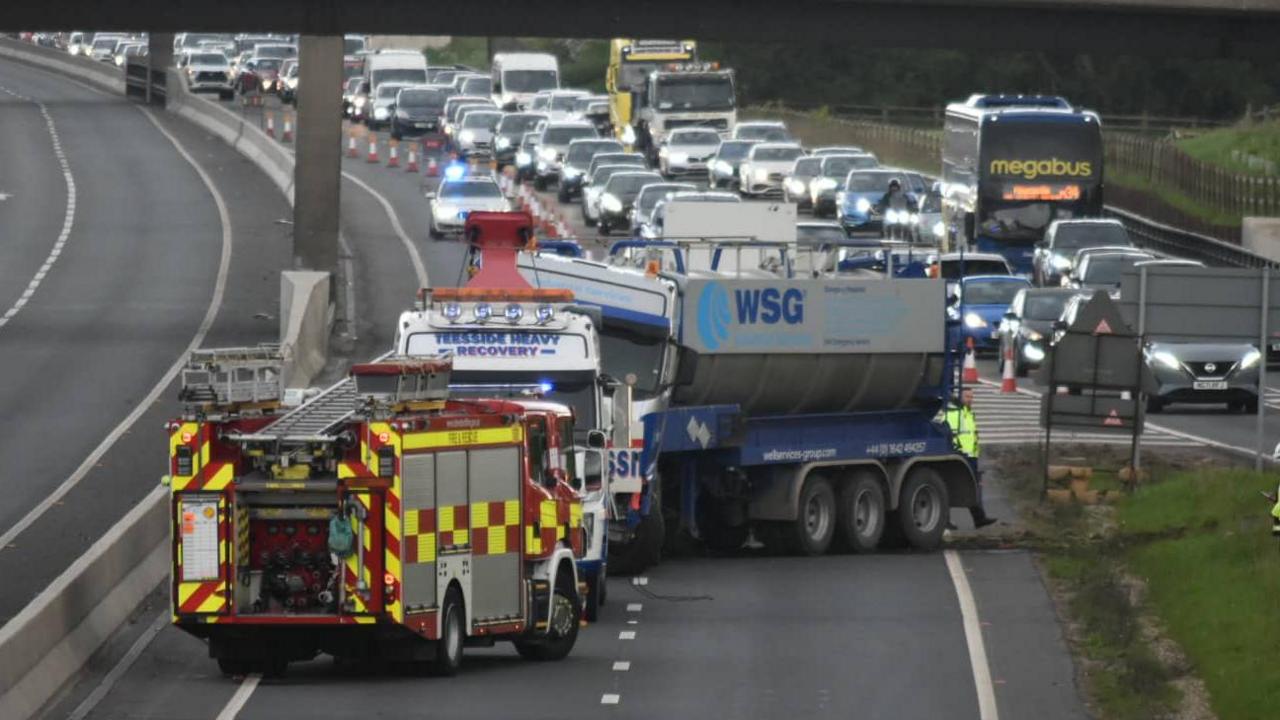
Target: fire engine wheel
[
  {"x": 449, "y": 646},
  {"x": 815, "y": 526},
  {"x": 862, "y": 516},
  {"x": 924, "y": 508},
  {"x": 561, "y": 635}
]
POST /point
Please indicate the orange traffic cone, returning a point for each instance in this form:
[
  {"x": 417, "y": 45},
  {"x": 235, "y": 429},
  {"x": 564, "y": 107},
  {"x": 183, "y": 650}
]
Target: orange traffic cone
[
  {"x": 412, "y": 161},
  {"x": 433, "y": 168},
  {"x": 352, "y": 150},
  {"x": 1008, "y": 383},
  {"x": 287, "y": 134},
  {"x": 372, "y": 157},
  {"x": 393, "y": 157},
  {"x": 271, "y": 125},
  {"x": 970, "y": 374}
]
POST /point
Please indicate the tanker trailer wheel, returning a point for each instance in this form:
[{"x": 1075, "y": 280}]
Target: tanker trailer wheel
[
  {"x": 862, "y": 513},
  {"x": 452, "y": 634},
  {"x": 815, "y": 524},
  {"x": 924, "y": 508},
  {"x": 715, "y": 530}
]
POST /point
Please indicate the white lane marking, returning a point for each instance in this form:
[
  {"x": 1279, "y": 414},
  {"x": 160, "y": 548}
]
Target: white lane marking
[
  {"x": 610, "y": 699},
  {"x": 640, "y": 580},
  {"x": 241, "y": 696},
  {"x": 68, "y": 217},
  {"x": 5, "y": 196},
  {"x": 87, "y": 705},
  {"x": 627, "y": 635},
  {"x": 633, "y": 622},
  {"x": 621, "y": 665},
  {"x": 634, "y": 607},
  {"x": 210, "y": 314},
  {"x": 973, "y": 637},
  {"x": 418, "y": 268}
]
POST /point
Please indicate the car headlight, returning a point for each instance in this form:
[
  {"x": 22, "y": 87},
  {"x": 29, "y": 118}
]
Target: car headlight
[
  {"x": 610, "y": 203},
  {"x": 466, "y": 136},
  {"x": 1032, "y": 353},
  {"x": 1250, "y": 359},
  {"x": 380, "y": 113},
  {"x": 523, "y": 158},
  {"x": 503, "y": 143},
  {"x": 841, "y": 197},
  {"x": 913, "y": 219},
  {"x": 824, "y": 184},
  {"x": 360, "y": 101},
  {"x": 1167, "y": 359},
  {"x": 974, "y": 321},
  {"x": 723, "y": 167},
  {"x": 863, "y": 205},
  {"x": 547, "y": 154},
  {"x": 591, "y": 193},
  {"x": 953, "y": 314},
  {"x": 1034, "y": 336},
  {"x": 678, "y": 158},
  {"x": 1060, "y": 263},
  {"x": 939, "y": 230},
  {"x": 891, "y": 216},
  {"x": 571, "y": 173},
  {"x": 796, "y": 187},
  {"x": 760, "y": 174}
]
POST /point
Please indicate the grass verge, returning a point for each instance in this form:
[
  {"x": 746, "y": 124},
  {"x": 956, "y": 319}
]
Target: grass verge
[
  {"x": 1171, "y": 197},
  {"x": 1229, "y": 148}
]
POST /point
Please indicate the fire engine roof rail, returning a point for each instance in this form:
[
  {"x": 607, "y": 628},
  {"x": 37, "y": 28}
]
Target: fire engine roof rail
[
  {"x": 225, "y": 376},
  {"x": 316, "y": 420}
]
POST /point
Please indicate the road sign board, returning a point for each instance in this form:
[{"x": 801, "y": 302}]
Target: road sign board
[
  {"x": 1195, "y": 304},
  {"x": 1099, "y": 350},
  {"x": 1101, "y": 413}
]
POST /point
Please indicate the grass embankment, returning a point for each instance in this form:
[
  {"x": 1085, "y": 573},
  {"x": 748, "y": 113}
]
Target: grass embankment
[
  {"x": 1230, "y": 148},
  {"x": 1173, "y": 198},
  {"x": 1188, "y": 557}
]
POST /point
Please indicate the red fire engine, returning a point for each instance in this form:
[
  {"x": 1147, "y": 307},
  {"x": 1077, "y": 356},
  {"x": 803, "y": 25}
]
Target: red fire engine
[{"x": 378, "y": 519}]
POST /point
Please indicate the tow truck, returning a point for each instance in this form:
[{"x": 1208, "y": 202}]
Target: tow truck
[
  {"x": 510, "y": 339},
  {"x": 384, "y": 517}
]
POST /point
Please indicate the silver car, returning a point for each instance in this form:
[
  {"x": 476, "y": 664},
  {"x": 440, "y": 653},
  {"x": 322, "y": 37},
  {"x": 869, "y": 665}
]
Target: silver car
[
  {"x": 766, "y": 166},
  {"x": 687, "y": 152},
  {"x": 458, "y": 198},
  {"x": 1203, "y": 373},
  {"x": 476, "y": 128}
]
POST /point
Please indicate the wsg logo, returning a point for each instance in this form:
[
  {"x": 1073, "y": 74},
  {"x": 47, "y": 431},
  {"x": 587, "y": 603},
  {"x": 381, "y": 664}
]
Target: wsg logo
[
  {"x": 751, "y": 306},
  {"x": 1032, "y": 169}
]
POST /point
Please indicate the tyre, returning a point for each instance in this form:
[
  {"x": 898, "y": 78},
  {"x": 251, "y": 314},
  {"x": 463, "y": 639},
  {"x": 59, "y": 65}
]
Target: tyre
[
  {"x": 714, "y": 529},
  {"x": 862, "y": 513},
  {"x": 924, "y": 508},
  {"x": 233, "y": 668},
  {"x": 434, "y": 231},
  {"x": 603, "y": 228},
  {"x": 1154, "y": 404},
  {"x": 448, "y": 657},
  {"x": 587, "y": 219},
  {"x": 1251, "y": 407},
  {"x": 591, "y": 605},
  {"x": 562, "y": 633},
  {"x": 226, "y": 95},
  {"x": 396, "y": 134},
  {"x": 539, "y": 183},
  {"x": 815, "y": 525}
]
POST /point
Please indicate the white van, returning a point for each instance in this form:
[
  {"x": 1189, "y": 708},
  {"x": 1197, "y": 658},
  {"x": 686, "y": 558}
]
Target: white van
[
  {"x": 518, "y": 76},
  {"x": 400, "y": 66}
]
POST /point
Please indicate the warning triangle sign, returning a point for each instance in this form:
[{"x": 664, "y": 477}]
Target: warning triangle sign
[
  {"x": 1100, "y": 316},
  {"x": 1113, "y": 419},
  {"x": 1103, "y": 328}
]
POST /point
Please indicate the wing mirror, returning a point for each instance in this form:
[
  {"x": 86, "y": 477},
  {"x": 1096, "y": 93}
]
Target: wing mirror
[{"x": 595, "y": 439}]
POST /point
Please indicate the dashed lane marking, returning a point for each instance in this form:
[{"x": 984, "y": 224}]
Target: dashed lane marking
[
  {"x": 68, "y": 218},
  {"x": 621, "y": 665},
  {"x": 627, "y": 635},
  {"x": 610, "y": 699},
  {"x": 635, "y": 607}
]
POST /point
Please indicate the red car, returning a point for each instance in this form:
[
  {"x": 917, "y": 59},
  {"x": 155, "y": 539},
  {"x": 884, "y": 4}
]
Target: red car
[{"x": 260, "y": 74}]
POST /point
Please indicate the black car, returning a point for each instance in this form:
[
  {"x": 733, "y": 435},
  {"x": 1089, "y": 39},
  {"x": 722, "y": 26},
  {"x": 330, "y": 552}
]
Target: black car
[
  {"x": 619, "y": 196},
  {"x": 577, "y": 160},
  {"x": 1027, "y": 328},
  {"x": 417, "y": 111},
  {"x": 510, "y": 130}
]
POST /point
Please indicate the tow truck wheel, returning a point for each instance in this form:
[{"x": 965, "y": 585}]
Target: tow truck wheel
[
  {"x": 449, "y": 646},
  {"x": 862, "y": 513},
  {"x": 815, "y": 525},
  {"x": 924, "y": 508}
]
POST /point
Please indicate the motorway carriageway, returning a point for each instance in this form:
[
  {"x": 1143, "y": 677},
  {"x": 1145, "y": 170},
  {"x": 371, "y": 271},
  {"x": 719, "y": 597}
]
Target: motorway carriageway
[{"x": 955, "y": 634}]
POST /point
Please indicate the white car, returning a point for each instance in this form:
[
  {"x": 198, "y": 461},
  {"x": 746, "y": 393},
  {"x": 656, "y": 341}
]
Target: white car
[
  {"x": 457, "y": 198},
  {"x": 765, "y": 131},
  {"x": 210, "y": 72},
  {"x": 687, "y": 151},
  {"x": 560, "y": 104},
  {"x": 767, "y": 165},
  {"x": 104, "y": 46}
]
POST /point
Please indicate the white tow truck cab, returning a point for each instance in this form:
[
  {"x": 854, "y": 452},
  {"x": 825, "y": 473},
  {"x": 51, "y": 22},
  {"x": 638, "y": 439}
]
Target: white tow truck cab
[
  {"x": 517, "y": 77},
  {"x": 508, "y": 339}
]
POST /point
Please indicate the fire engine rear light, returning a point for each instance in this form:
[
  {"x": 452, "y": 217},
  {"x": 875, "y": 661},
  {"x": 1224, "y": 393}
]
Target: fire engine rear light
[
  {"x": 545, "y": 314},
  {"x": 199, "y": 539},
  {"x": 452, "y": 312},
  {"x": 386, "y": 462},
  {"x": 482, "y": 312},
  {"x": 513, "y": 313}
]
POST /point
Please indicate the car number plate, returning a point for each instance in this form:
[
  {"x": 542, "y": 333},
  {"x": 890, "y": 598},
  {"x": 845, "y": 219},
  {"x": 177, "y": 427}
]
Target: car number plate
[
  {"x": 1275, "y": 346},
  {"x": 1209, "y": 385},
  {"x": 995, "y": 333}
]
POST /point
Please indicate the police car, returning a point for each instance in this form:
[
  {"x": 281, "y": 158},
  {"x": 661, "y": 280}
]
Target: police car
[{"x": 459, "y": 195}]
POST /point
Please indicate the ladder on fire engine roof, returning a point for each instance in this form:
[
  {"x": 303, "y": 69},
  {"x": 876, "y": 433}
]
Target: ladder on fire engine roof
[{"x": 319, "y": 419}]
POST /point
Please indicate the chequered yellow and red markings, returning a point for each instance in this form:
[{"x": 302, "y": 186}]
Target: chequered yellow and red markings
[
  {"x": 204, "y": 596},
  {"x": 420, "y": 536},
  {"x": 555, "y": 520},
  {"x": 495, "y": 527},
  {"x": 453, "y": 523},
  {"x": 382, "y": 435},
  {"x": 205, "y": 474}
]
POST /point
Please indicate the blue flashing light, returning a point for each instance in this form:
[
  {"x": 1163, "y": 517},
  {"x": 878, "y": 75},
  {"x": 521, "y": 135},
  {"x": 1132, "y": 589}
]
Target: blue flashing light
[
  {"x": 455, "y": 172},
  {"x": 546, "y": 387}
]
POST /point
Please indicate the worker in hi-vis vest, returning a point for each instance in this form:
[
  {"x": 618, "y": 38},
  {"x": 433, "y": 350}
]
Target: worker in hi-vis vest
[{"x": 964, "y": 434}]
